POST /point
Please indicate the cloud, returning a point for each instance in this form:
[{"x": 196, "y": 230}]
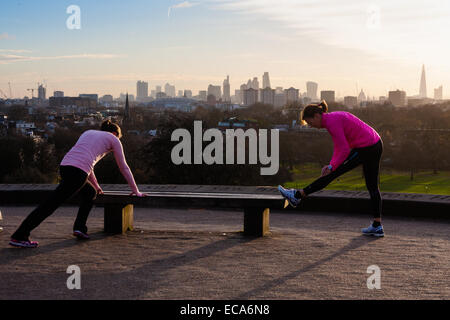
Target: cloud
[
  {"x": 15, "y": 50},
  {"x": 185, "y": 4},
  {"x": 6, "y": 36},
  {"x": 11, "y": 58},
  {"x": 383, "y": 28}
]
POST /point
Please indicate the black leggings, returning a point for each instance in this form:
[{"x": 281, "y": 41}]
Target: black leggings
[
  {"x": 74, "y": 180},
  {"x": 370, "y": 158}
]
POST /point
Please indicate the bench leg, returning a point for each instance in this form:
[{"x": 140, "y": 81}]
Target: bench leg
[
  {"x": 118, "y": 218},
  {"x": 256, "y": 222}
]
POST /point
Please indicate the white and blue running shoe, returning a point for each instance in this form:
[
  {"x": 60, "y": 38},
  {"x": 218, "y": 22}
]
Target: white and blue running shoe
[
  {"x": 373, "y": 231},
  {"x": 289, "y": 195}
]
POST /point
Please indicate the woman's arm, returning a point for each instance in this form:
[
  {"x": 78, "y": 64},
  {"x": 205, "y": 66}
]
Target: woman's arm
[
  {"x": 341, "y": 148},
  {"x": 94, "y": 182},
  {"x": 123, "y": 166}
]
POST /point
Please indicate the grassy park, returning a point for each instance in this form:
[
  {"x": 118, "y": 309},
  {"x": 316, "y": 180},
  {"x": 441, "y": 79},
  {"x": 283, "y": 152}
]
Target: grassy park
[{"x": 391, "y": 181}]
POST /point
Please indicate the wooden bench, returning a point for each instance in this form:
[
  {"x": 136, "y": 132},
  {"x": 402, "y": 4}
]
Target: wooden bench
[{"x": 118, "y": 207}]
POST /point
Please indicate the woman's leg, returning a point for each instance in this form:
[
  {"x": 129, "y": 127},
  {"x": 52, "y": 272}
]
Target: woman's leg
[
  {"x": 352, "y": 161},
  {"x": 72, "y": 181},
  {"x": 371, "y": 168},
  {"x": 88, "y": 195}
]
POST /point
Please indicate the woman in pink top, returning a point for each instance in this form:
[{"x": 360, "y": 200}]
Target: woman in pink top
[
  {"x": 355, "y": 143},
  {"x": 77, "y": 173}
]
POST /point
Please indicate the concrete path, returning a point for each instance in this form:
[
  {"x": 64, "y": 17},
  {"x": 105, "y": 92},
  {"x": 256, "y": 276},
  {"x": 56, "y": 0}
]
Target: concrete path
[{"x": 201, "y": 254}]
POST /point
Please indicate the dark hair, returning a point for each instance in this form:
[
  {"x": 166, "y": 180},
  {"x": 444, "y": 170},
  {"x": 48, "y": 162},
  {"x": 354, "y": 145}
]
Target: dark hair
[
  {"x": 311, "y": 109},
  {"x": 109, "y": 126}
]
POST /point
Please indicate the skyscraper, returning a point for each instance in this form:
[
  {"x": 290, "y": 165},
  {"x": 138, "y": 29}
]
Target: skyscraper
[
  {"x": 311, "y": 90},
  {"x": 423, "y": 84},
  {"x": 169, "y": 90},
  {"x": 266, "y": 80},
  {"x": 41, "y": 92},
  {"x": 141, "y": 90},
  {"x": 226, "y": 90},
  {"x": 255, "y": 83}
]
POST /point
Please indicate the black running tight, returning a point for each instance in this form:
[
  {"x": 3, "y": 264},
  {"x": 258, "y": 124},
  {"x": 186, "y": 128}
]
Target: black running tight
[
  {"x": 74, "y": 180},
  {"x": 370, "y": 158}
]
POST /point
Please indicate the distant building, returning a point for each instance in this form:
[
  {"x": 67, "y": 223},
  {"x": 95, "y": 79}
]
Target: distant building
[
  {"x": 161, "y": 95},
  {"x": 107, "y": 98},
  {"x": 292, "y": 95},
  {"x": 141, "y": 90},
  {"x": 328, "y": 95},
  {"x": 250, "y": 96},
  {"x": 255, "y": 83},
  {"x": 216, "y": 91},
  {"x": 423, "y": 84},
  {"x": 211, "y": 100},
  {"x": 127, "y": 113},
  {"x": 187, "y": 94},
  {"x": 41, "y": 92},
  {"x": 71, "y": 101},
  {"x": 58, "y": 94},
  {"x": 226, "y": 90},
  {"x": 202, "y": 95},
  {"x": 235, "y": 123},
  {"x": 280, "y": 99},
  {"x": 311, "y": 90},
  {"x": 350, "y": 101},
  {"x": 266, "y": 80},
  {"x": 169, "y": 90},
  {"x": 438, "y": 94},
  {"x": 362, "y": 97},
  {"x": 397, "y": 98},
  {"x": 93, "y": 97},
  {"x": 267, "y": 96}
]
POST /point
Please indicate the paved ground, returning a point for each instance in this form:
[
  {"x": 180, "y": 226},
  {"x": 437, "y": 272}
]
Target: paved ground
[{"x": 200, "y": 254}]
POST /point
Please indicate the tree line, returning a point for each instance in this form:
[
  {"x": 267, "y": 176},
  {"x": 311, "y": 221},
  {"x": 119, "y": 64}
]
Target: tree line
[{"x": 415, "y": 139}]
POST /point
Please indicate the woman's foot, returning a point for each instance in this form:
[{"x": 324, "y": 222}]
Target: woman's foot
[
  {"x": 289, "y": 195},
  {"x": 81, "y": 235},
  {"x": 375, "y": 229},
  {"x": 23, "y": 243}
]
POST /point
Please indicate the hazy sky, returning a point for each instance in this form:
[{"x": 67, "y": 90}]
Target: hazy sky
[{"x": 344, "y": 45}]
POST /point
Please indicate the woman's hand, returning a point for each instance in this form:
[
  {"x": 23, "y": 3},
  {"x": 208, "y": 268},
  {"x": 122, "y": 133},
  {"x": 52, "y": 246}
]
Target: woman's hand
[
  {"x": 138, "y": 194},
  {"x": 99, "y": 191},
  {"x": 325, "y": 171}
]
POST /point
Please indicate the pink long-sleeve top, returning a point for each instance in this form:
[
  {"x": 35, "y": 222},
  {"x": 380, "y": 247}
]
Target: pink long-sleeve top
[
  {"x": 348, "y": 132},
  {"x": 90, "y": 148}
]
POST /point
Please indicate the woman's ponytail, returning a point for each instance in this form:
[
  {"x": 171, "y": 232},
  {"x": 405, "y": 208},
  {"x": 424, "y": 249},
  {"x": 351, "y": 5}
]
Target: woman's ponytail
[
  {"x": 324, "y": 106},
  {"x": 312, "y": 109},
  {"x": 110, "y": 126}
]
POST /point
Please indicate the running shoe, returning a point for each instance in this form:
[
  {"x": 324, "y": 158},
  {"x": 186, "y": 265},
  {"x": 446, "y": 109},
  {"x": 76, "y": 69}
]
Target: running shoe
[
  {"x": 289, "y": 194},
  {"x": 373, "y": 231},
  {"x": 81, "y": 235},
  {"x": 23, "y": 243}
]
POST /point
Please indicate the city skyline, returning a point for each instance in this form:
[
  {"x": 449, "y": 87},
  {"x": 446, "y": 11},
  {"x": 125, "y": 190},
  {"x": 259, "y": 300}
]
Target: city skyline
[{"x": 164, "y": 42}]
